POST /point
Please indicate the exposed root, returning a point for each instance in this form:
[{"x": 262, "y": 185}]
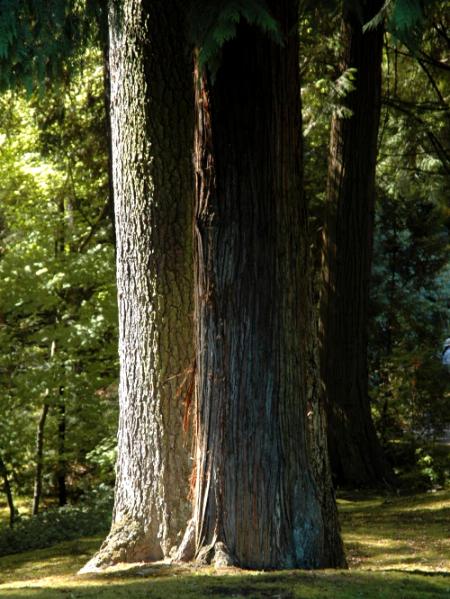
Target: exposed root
[
  {"x": 126, "y": 542},
  {"x": 217, "y": 555},
  {"x": 186, "y": 549}
]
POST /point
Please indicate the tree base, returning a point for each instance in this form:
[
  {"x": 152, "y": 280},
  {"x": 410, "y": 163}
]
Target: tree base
[
  {"x": 126, "y": 542},
  {"x": 215, "y": 554},
  {"x": 186, "y": 549}
]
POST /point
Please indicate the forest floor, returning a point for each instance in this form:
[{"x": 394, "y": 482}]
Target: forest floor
[{"x": 397, "y": 547}]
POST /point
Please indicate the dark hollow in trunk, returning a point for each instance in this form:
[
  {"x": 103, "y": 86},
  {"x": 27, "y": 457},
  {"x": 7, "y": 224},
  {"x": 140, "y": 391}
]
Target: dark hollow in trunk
[
  {"x": 355, "y": 453},
  {"x": 256, "y": 499}
]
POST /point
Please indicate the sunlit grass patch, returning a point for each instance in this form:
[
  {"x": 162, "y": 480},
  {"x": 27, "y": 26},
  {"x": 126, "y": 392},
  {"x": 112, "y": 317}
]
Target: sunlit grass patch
[
  {"x": 397, "y": 547},
  {"x": 237, "y": 585},
  {"x": 59, "y": 560},
  {"x": 407, "y": 533}
]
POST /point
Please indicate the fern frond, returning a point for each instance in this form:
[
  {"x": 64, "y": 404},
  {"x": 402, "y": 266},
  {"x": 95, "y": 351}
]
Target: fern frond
[
  {"x": 379, "y": 17},
  {"x": 404, "y": 20},
  {"x": 213, "y": 23}
]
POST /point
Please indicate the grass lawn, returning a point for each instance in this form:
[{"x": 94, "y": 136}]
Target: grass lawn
[
  {"x": 22, "y": 504},
  {"x": 397, "y": 547}
]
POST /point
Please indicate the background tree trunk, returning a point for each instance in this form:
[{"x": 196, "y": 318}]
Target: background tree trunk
[
  {"x": 102, "y": 23},
  {"x": 8, "y": 492},
  {"x": 61, "y": 468},
  {"x": 355, "y": 452},
  {"x": 152, "y": 139},
  {"x": 256, "y": 499},
  {"x": 39, "y": 459}
]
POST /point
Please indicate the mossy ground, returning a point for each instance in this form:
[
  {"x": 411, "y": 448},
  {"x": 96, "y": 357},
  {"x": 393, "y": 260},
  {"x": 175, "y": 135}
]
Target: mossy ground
[{"x": 396, "y": 546}]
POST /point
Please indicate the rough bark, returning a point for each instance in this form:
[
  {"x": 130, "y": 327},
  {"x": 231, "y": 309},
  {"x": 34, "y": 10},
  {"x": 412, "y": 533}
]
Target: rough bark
[
  {"x": 152, "y": 140},
  {"x": 256, "y": 500},
  {"x": 39, "y": 459},
  {"x": 355, "y": 452},
  {"x": 8, "y": 492},
  {"x": 317, "y": 426}
]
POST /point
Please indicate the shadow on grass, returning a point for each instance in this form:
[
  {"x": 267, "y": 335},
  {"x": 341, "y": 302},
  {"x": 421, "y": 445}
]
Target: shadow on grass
[
  {"x": 398, "y": 548},
  {"x": 286, "y": 585},
  {"x": 54, "y": 560},
  {"x": 397, "y": 532},
  {"x": 355, "y": 501}
]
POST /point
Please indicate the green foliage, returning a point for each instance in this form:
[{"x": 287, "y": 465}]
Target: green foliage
[
  {"x": 58, "y": 301},
  {"x": 103, "y": 458},
  {"x": 214, "y": 23},
  {"x": 420, "y": 465},
  {"x": 410, "y": 287},
  {"x": 410, "y": 386},
  {"x": 55, "y": 525},
  {"x": 41, "y": 40},
  {"x": 319, "y": 58},
  {"x": 411, "y": 277},
  {"x": 405, "y": 20},
  {"x": 426, "y": 463}
]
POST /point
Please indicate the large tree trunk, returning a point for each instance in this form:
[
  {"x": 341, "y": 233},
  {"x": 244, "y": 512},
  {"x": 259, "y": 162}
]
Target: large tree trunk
[
  {"x": 152, "y": 139},
  {"x": 256, "y": 500},
  {"x": 355, "y": 452}
]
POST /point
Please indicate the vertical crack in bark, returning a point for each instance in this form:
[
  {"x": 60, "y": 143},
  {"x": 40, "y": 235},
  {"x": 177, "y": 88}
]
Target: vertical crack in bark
[{"x": 257, "y": 501}]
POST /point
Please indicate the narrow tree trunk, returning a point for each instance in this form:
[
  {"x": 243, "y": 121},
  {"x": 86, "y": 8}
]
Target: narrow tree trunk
[
  {"x": 62, "y": 462},
  {"x": 39, "y": 459},
  {"x": 152, "y": 136},
  {"x": 257, "y": 502},
  {"x": 65, "y": 219},
  {"x": 355, "y": 452},
  {"x": 8, "y": 492}
]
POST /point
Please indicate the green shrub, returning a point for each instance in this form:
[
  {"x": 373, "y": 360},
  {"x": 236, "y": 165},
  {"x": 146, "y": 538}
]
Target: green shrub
[
  {"x": 420, "y": 465},
  {"x": 55, "y": 525}
]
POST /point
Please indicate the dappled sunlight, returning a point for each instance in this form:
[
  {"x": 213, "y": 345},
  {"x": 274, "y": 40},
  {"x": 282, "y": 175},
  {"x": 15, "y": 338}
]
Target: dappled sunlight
[
  {"x": 59, "y": 559},
  {"x": 260, "y": 585},
  {"x": 396, "y": 547},
  {"x": 350, "y": 505},
  {"x": 398, "y": 533}
]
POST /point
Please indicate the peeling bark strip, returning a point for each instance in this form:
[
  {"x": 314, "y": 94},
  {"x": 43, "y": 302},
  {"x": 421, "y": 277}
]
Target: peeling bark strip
[
  {"x": 152, "y": 135},
  {"x": 355, "y": 453},
  {"x": 256, "y": 501}
]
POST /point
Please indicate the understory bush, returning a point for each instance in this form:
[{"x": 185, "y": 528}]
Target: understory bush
[
  {"x": 420, "y": 465},
  {"x": 55, "y": 525}
]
